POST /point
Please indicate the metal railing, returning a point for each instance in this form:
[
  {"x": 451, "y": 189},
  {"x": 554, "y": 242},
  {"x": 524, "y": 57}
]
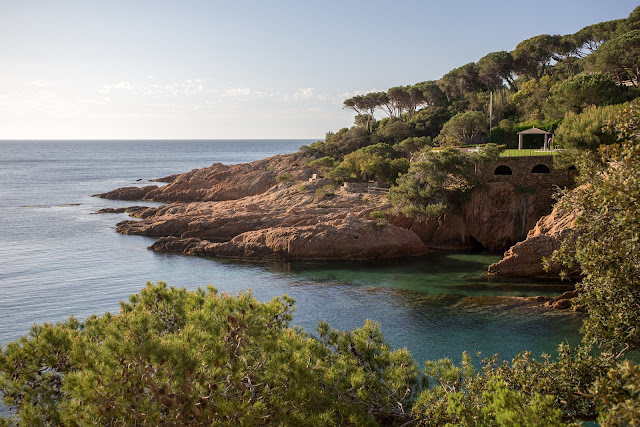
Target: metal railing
[{"x": 377, "y": 190}]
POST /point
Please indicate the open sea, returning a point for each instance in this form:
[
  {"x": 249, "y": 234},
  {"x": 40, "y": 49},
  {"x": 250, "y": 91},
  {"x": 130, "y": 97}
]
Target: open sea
[{"x": 57, "y": 258}]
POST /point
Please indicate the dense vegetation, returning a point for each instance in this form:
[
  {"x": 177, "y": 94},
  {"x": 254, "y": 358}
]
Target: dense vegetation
[
  {"x": 173, "y": 357},
  {"x": 568, "y": 85}
]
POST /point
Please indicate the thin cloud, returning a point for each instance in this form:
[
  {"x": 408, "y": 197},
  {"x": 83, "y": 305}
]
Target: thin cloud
[
  {"x": 304, "y": 93},
  {"x": 116, "y": 86},
  {"x": 37, "y": 83},
  {"x": 239, "y": 91},
  {"x": 346, "y": 95}
]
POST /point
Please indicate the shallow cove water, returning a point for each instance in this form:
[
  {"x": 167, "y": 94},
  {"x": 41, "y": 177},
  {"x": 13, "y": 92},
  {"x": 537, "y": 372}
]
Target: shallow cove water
[{"x": 58, "y": 259}]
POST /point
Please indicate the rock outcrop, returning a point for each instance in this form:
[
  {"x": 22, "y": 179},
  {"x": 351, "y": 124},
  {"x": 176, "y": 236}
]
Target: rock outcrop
[
  {"x": 561, "y": 302},
  {"x": 525, "y": 258},
  {"x": 219, "y": 182}
]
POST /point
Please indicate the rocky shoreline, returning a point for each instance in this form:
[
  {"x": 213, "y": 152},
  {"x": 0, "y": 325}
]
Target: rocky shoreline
[
  {"x": 242, "y": 211},
  {"x": 275, "y": 208}
]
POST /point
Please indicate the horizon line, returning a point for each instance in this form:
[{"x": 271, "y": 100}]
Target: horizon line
[{"x": 155, "y": 139}]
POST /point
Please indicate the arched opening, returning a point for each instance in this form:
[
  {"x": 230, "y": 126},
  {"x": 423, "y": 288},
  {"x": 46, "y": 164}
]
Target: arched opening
[
  {"x": 573, "y": 168},
  {"x": 540, "y": 169},
  {"x": 503, "y": 170}
]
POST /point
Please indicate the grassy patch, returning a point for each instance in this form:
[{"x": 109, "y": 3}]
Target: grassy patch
[{"x": 529, "y": 152}]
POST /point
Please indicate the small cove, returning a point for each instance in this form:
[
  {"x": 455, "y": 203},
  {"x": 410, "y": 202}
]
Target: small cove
[{"x": 57, "y": 259}]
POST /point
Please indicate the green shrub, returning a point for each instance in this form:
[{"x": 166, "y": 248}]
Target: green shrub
[
  {"x": 441, "y": 178},
  {"x": 323, "y": 162},
  {"x": 377, "y": 215},
  {"x": 203, "y": 358},
  {"x": 284, "y": 177}
]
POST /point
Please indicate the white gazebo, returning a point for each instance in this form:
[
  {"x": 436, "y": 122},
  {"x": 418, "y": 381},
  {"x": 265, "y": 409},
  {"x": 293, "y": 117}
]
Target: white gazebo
[{"x": 533, "y": 131}]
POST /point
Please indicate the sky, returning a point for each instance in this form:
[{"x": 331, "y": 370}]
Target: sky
[{"x": 190, "y": 69}]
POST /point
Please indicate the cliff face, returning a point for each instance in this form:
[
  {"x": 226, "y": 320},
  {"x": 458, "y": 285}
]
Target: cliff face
[
  {"x": 525, "y": 258},
  {"x": 495, "y": 217}
]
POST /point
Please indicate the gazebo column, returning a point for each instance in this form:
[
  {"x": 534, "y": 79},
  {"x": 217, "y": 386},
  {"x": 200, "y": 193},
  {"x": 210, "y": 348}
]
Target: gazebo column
[{"x": 520, "y": 141}]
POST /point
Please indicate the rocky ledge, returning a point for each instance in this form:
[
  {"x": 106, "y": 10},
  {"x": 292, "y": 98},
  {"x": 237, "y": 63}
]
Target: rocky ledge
[
  {"x": 340, "y": 238},
  {"x": 561, "y": 302}
]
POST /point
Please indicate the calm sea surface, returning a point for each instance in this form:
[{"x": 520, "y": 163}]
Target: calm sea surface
[{"x": 57, "y": 259}]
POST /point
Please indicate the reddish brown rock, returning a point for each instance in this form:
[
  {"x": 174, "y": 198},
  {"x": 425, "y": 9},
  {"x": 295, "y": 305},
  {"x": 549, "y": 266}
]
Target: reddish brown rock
[
  {"x": 539, "y": 298},
  {"x": 219, "y": 203},
  {"x": 495, "y": 217},
  {"x": 133, "y": 210},
  {"x": 562, "y": 304},
  {"x": 289, "y": 220},
  {"x": 220, "y": 182},
  {"x": 347, "y": 238},
  {"x": 130, "y": 193},
  {"x": 525, "y": 258}
]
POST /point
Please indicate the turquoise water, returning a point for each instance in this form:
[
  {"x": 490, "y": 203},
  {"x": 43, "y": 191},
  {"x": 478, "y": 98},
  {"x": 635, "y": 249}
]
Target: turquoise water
[{"x": 58, "y": 259}]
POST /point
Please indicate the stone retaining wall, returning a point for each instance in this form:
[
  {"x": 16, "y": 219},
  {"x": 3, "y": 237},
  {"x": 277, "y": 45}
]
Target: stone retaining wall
[{"x": 527, "y": 171}]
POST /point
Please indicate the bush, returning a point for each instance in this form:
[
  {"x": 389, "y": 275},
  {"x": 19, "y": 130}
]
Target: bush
[
  {"x": 411, "y": 145},
  {"x": 323, "y": 162},
  {"x": 284, "y": 177},
  {"x": 379, "y": 162},
  {"x": 326, "y": 192},
  {"x": 393, "y": 131},
  {"x": 336, "y": 145},
  {"x": 462, "y": 127},
  {"x": 206, "y": 358},
  {"x": 376, "y": 215},
  {"x": 440, "y": 179},
  {"x": 203, "y": 358},
  {"x": 585, "y": 131}
]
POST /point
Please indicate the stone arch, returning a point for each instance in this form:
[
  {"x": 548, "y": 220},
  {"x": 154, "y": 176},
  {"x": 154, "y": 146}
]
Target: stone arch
[
  {"x": 503, "y": 170},
  {"x": 540, "y": 168}
]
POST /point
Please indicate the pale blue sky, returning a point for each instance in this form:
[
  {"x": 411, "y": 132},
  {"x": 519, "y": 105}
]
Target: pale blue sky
[{"x": 242, "y": 69}]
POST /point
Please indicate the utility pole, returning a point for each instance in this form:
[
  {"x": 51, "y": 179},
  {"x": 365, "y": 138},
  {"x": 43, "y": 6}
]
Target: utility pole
[{"x": 490, "y": 111}]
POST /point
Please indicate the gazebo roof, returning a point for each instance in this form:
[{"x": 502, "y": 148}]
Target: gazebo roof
[{"x": 533, "y": 131}]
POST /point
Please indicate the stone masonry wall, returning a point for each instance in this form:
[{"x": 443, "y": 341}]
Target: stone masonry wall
[{"x": 521, "y": 172}]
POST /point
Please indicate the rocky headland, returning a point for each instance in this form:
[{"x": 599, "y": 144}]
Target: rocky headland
[
  {"x": 274, "y": 209},
  {"x": 264, "y": 210}
]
